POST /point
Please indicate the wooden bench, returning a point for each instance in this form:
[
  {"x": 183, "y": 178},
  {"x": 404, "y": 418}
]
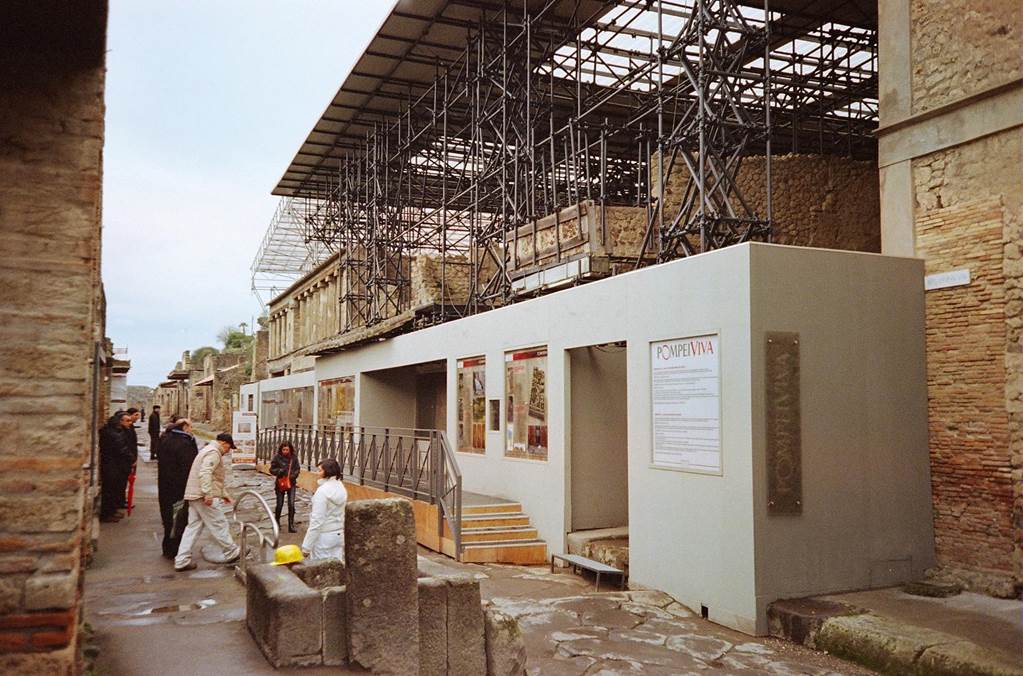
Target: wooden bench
[{"x": 596, "y": 567}]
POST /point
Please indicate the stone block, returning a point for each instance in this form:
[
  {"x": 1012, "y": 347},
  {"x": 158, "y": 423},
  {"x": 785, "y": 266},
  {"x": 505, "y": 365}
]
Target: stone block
[
  {"x": 335, "y": 633},
  {"x": 382, "y": 590},
  {"x": 53, "y": 590},
  {"x": 284, "y": 616},
  {"x": 467, "y": 653},
  {"x": 506, "y": 650},
  {"x": 433, "y": 626},
  {"x": 321, "y": 573}
]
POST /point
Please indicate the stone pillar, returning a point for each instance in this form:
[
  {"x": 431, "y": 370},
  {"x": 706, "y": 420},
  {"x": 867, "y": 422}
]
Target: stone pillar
[{"x": 382, "y": 588}]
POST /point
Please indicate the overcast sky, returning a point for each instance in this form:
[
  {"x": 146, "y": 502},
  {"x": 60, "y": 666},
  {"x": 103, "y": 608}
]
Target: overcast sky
[{"x": 207, "y": 102}]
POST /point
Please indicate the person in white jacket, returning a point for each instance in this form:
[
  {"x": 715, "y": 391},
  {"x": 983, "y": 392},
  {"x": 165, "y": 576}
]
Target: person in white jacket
[{"x": 325, "y": 538}]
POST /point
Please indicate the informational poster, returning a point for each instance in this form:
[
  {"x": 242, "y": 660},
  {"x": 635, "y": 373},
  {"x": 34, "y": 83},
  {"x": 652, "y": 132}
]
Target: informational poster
[
  {"x": 243, "y": 429},
  {"x": 472, "y": 405},
  {"x": 525, "y": 393},
  {"x": 337, "y": 402},
  {"x": 685, "y": 376}
]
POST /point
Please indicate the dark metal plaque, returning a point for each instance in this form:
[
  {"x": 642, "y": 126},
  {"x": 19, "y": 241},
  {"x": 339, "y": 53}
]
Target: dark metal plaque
[{"x": 784, "y": 438}]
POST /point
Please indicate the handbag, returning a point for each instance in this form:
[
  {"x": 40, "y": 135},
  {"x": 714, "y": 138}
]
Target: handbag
[{"x": 284, "y": 482}]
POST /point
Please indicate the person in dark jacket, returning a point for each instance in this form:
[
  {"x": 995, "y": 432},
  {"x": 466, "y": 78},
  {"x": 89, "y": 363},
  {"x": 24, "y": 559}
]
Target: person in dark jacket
[
  {"x": 115, "y": 464},
  {"x": 286, "y": 467},
  {"x": 178, "y": 449},
  {"x": 154, "y": 434}
]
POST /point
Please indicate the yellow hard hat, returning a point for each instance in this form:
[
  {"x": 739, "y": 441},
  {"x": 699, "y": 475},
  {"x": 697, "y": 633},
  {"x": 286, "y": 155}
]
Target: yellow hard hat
[{"x": 287, "y": 554}]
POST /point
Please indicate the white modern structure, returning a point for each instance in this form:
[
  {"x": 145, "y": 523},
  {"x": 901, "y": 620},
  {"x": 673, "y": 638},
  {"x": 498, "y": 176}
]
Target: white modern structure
[{"x": 755, "y": 415}]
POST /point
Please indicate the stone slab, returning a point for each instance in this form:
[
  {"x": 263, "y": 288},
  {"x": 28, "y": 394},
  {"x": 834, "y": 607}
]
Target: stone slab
[
  {"x": 433, "y": 627},
  {"x": 799, "y": 620},
  {"x": 466, "y": 639},
  {"x": 506, "y": 650},
  {"x": 335, "y": 634},
  {"x": 577, "y": 541},
  {"x": 382, "y": 589},
  {"x": 321, "y": 573},
  {"x": 284, "y": 616}
]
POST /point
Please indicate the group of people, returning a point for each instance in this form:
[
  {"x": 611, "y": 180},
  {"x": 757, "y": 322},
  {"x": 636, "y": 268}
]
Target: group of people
[
  {"x": 119, "y": 453},
  {"x": 325, "y": 536},
  {"x": 191, "y": 480}
]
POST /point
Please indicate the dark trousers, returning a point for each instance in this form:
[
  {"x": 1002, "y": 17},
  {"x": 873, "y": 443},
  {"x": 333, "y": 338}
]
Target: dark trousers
[
  {"x": 170, "y": 544},
  {"x": 114, "y": 477},
  {"x": 154, "y": 446},
  {"x": 291, "y": 505}
]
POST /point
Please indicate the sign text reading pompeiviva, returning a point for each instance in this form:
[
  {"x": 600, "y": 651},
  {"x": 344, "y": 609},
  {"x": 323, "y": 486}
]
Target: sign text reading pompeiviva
[{"x": 689, "y": 348}]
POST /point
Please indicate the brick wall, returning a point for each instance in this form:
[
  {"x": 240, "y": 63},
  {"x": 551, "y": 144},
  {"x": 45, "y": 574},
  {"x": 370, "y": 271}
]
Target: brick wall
[
  {"x": 51, "y": 140},
  {"x": 969, "y": 212}
]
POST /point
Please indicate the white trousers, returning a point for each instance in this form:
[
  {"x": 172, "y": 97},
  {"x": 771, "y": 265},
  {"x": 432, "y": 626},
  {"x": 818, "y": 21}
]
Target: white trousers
[{"x": 201, "y": 515}]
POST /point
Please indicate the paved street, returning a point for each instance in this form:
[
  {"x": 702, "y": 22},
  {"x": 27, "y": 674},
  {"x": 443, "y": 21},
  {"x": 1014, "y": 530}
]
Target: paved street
[{"x": 147, "y": 619}]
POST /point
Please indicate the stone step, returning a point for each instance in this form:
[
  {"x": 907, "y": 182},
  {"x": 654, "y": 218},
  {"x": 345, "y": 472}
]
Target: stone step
[
  {"x": 486, "y": 520},
  {"x": 475, "y": 535},
  {"x": 528, "y": 552},
  {"x": 497, "y": 508}
]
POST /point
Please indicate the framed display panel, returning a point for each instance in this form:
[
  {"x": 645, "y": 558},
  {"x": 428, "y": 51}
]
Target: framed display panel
[
  {"x": 685, "y": 399},
  {"x": 287, "y": 407},
  {"x": 472, "y": 405},
  {"x": 336, "y": 402},
  {"x": 525, "y": 401}
]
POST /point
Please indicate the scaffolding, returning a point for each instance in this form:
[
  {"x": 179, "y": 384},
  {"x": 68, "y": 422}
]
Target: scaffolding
[
  {"x": 294, "y": 244},
  {"x": 466, "y": 121}
]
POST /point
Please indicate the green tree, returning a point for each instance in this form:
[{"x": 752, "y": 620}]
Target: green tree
[
  {"x": 199, "y": 353},
  {"x": 234, "y": 339}
]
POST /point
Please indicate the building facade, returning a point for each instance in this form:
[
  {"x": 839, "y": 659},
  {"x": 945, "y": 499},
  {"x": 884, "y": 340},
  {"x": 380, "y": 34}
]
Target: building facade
[{"x": 950, "y": 148}]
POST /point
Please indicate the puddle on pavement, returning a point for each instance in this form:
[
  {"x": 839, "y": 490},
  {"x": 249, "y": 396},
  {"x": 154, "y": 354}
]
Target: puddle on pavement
[{"x": 180, "y": 608}]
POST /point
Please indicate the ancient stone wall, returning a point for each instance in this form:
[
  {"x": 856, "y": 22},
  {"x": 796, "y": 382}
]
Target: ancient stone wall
[
  {"x": 969, "y": 211},
  {"x": 428, "y": 275},
  {"x": 51, "y": 126},
  {"x": 962, "y": 47},
  {"x": 260, "y": 352},
  {"x": 821, "y": 201}
]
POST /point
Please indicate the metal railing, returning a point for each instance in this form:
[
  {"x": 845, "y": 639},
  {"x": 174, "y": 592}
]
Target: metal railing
[
  {"x": 416, "y": 463},
  {"x": 266, "y": 542}
]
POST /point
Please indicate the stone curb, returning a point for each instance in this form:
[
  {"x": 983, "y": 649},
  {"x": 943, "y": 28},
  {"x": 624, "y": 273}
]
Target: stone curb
[{"x": 883, "y": 644}]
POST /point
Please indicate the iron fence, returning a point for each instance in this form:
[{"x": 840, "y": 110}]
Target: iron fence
[{"x": 416, "y": 463}]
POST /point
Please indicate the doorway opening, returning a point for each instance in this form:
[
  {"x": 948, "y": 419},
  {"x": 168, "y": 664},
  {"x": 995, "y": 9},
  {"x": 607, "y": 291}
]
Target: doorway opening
[{"x": 599, "y": 462}]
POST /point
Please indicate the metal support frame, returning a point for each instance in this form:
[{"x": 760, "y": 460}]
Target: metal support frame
[{"x": 538, "y": 112}]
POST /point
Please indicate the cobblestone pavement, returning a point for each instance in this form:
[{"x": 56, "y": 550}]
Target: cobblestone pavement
[
  {"x": 571, "y": 630},
  {"x": 135, "y": 603}
]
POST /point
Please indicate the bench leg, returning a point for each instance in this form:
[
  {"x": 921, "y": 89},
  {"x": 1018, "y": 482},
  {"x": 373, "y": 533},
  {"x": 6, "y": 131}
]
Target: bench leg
[{"x": 598, "y": 580}]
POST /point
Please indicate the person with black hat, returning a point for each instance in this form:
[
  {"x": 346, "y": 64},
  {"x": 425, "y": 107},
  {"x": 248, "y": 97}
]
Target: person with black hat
[{"x": 206, "y": 484}]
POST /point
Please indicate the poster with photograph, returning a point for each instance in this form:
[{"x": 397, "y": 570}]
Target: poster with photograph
[
  {"x": 336, "y": 402},
  {"x": 685, "y": 378},
  {"x": 472, "y": 405},
  {"x": 525, "y": 393},
  {"x": 243, "y": 430}
]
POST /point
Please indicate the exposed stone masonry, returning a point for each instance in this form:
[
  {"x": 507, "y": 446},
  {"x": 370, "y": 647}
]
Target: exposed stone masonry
[
  {"x": 821, "y": 201},
  {"x": 962, "y": 47},
  {"x": 51, "y": 141}
]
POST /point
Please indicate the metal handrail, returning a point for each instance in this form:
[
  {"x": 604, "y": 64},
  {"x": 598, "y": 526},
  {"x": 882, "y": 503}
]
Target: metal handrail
[
  {"x": 252, "y": 526},
  {"x": 414, "y": 462}
]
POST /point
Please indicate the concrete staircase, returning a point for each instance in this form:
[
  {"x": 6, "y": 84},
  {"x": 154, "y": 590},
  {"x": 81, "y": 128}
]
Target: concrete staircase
[{"x": 500, "y": 533}]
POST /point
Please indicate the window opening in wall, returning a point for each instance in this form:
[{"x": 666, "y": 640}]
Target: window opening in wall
[
  {"x": 252, "y": 403},
  {"x": 471, "y": 393},
  {"x": 495, "y": 415},
  {"x": 525, "y": 396}
]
